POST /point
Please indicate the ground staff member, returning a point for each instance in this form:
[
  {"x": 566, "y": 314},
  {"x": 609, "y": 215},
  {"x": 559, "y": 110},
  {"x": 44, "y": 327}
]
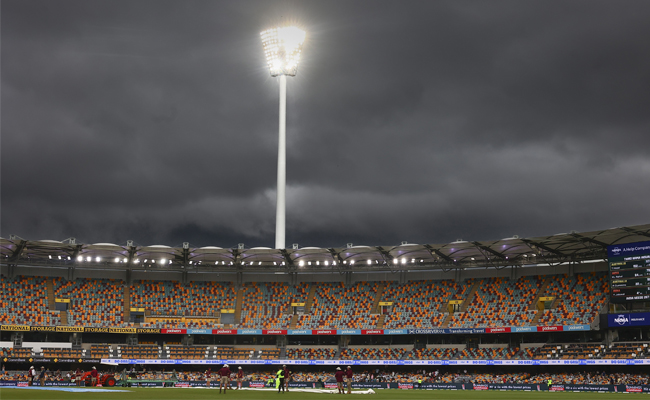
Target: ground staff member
[
  {"x": 339, "y": 380},
  {"x": 239, "y": 377},
  {"x": 93, "y": 377},
  {"x": 41, "y": 376},
  {"x": 287, "y": 377},
  {"x": 31, "y": 374},
  {"x": 348, "y": 378},
  {"x": 224, "y": 374}
]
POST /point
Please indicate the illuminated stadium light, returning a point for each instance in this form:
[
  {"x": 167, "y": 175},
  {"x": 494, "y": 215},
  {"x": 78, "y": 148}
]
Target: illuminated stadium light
[
  {"x": 317, "y": 262},
  {"x": 260, "y": 263},
  {"x": 162, "y": 261},
  {"x": 117, "y": 259},
  {"x": 59, "y": 257},
  {"x": 97, "y": 259},
  {"x": 403, "y": 260},
  {"x": 301, "y": 263},
  {"x": 282, "y": 48},
  {"x": 395, "y": 261},
  {"x": 145, "y": 260},
  {"x": 50, "y": 256},
  {"x": 333, "y": 263},
  {"x": 136, "y": 261},
  {"x": 216, "y": 262},
  {"x": 88, "y": 259},
  {"x": 369, "y": 262},
  {"x": 308, "y": 262},
  {"x": 351, "y": 262},
  {"x": 326, "y": 263}
]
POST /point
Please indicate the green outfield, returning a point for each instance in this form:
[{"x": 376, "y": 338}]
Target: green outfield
[{"x": 198, "y": 394}]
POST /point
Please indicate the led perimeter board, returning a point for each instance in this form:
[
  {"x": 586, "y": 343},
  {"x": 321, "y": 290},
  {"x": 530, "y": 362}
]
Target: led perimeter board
[{"x": 629, "y": 271}]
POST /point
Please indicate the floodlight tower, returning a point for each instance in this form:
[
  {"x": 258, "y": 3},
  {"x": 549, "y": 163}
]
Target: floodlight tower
[{"x": 282, "y": 47}]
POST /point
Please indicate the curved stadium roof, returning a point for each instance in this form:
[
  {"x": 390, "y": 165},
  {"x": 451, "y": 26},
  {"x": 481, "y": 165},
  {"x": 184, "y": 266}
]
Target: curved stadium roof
[{"x": 557, "y": 249}]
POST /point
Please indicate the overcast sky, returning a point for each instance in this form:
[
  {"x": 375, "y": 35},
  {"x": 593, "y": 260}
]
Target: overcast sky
[{"x": 418, "y": 121}]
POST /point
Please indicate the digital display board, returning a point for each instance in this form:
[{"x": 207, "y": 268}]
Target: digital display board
[{"x": 629, "y": 272}]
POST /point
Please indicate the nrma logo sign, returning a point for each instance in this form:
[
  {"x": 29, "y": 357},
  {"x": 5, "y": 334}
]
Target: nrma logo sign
[
  {"x": 621, "y": 320},
  {"x": 616, "y": 250}
]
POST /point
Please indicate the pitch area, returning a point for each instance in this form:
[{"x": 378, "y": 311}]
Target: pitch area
[{"x": 212, "y": 394}]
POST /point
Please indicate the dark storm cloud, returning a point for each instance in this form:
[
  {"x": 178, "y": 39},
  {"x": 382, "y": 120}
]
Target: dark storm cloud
[{"x": 156, "y": 121}]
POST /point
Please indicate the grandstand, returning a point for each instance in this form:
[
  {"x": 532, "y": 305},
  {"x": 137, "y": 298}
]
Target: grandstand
[{"x": 424, "y": 303}]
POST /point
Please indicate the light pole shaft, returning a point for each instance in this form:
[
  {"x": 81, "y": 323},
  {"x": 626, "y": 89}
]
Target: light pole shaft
[{"x": 282, "y": 167}]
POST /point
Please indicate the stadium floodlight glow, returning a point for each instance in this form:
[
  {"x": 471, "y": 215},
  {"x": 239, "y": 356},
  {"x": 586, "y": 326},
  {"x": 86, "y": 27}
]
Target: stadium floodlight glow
[
  {"x": 162, "y": 260},
  {"x": 369, "y": 262},
  {"x": 117, "y": 259},
  {"x": 282, "y": 48},
  {"x": 301, "y": 263},
  {"x": 89, "y": 259}
]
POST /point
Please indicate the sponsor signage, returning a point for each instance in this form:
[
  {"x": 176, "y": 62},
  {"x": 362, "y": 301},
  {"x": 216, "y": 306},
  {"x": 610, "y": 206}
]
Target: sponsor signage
[
  {"x": 177, "y": 331},
  {"x": 14, "y": 328},
  {"x": 385, "y": 303},
  {"x": 550, "y": 328},
  {"x": 299, "y": 332},
  {"x": 96, "y": 330},
  {"x": 635, "y": 319},
  {"x": 224, "y": 331},
  {"x": 297, "y": 304},
  {"x": 502, "y": 329},
  {"x": 274, "y": 331},
  {"x": 199, "y": 331},
  {"x": 61, "y": 300},
  {"x": 228, "y": 311},
  {"x": 148, "y": 330},
  {"x": 628, "y": 319},
  {"x": 524, "y": 329},
  {"x": 121, "y": 330},
  {"x": 348, "y": 332},
  {"x": 246, "y": 331},
  {"x": 576, "y": 327},
  {"x": 627, "y": 250}
]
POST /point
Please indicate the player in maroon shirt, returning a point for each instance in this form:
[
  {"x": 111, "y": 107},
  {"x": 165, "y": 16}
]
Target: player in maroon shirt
[
  {"x": 208, "y": 377},
  {"x": 348, "y": 378},
  {"x": 287, "y": 377},
  {"x": 224, "y": 374},
  {"x": 339, "y": 379},
  {"x": 239, "y": 377}
]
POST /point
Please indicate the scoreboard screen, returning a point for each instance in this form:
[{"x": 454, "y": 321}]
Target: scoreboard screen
[{"x": 629, "y": 272}]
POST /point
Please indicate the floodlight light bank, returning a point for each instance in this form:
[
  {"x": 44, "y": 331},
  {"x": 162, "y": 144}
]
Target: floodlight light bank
[{"x": 282, "y": 47}]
